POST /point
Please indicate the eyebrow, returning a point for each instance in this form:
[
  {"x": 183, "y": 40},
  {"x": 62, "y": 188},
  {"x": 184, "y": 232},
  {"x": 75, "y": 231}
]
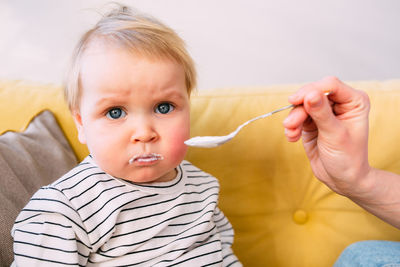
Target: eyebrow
[
  {"x": 121, "y": 97},
  {"x": 112, "y": 98},
  {"x": 175, "y": 94}
]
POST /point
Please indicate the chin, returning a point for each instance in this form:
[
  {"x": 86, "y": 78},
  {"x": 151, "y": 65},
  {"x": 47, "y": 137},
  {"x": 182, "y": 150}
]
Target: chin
[{"x": 144, "y": 177}]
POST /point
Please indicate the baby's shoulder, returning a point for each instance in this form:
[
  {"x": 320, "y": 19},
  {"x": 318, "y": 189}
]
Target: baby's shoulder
[
  {"x": 68, "y": 187},
  {"x": 190, "y": 167},
  {"x": 193, "y": 171},
  {"x": 75, "y": 180},
  {"x": 80, "y": 172}
]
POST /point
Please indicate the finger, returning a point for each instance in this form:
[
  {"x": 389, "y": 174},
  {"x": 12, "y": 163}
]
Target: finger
[
  {"x": 293, "y": 134},
  {"x": 338, "y": 91},
  {"x": 310, "y": 130},
  {"x": 296, "y": 117},
  {"x": 294, "y": 123},
  {"x": 309, "y": 125},
  {"x": 320, "y": 110}
]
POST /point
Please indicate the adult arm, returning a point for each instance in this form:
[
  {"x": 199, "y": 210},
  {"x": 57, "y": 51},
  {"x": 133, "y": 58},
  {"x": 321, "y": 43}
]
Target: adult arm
[{"x": 334, "y": 131}]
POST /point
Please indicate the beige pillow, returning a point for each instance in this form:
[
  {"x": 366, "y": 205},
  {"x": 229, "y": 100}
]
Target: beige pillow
[{"x": 29, "y": 160}]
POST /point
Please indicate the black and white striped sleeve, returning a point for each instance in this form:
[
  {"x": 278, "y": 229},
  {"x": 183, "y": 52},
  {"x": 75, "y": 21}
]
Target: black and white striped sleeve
[
  {"x": 226, "y": 234},
  {"x": 49, "y": 232}
]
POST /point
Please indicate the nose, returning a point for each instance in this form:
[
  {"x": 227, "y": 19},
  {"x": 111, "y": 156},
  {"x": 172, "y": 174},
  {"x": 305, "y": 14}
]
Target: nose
[{"x": 143, "y": 132}]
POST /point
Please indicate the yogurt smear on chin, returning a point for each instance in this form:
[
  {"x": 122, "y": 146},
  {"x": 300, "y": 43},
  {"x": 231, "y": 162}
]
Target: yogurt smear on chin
[{"x": 142, "y": 158}]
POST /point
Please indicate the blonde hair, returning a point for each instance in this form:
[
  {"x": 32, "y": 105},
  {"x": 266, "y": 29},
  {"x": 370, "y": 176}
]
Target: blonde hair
[{"x": 139, "y": 33}]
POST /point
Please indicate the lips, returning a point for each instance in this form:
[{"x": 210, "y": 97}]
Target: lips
[{"x": 146, "y": 158}]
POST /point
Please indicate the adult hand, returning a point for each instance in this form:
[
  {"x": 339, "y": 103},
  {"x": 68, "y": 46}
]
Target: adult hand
[{"x": 334, "y": 131}]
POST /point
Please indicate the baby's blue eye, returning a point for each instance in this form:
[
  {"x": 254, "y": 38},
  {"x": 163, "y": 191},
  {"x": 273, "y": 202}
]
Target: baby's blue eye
[
  {"x": 115, "y": 113},
  {"x": 164, "y": 108}
]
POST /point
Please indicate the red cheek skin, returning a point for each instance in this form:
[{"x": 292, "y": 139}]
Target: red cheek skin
[{"x": 177, "y": 148}]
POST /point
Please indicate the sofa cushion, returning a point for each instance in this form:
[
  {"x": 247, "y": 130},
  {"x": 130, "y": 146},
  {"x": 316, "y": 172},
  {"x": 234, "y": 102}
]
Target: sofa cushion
[
  {"x": 20, "y": 100},
  {"x": 29, "y": 160}
]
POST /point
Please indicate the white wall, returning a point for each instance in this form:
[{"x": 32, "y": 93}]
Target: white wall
[{"x": 234, "y": 42}]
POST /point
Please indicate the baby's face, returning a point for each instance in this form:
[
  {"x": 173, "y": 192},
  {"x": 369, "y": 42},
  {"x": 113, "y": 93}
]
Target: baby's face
[{"x": 134, "y": 114}]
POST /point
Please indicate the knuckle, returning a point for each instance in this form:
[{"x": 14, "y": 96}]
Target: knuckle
[
  {"x": 364, "y": 99},
  {"x": 331, "y": 79},
  {"x": 364, "y": 96}
]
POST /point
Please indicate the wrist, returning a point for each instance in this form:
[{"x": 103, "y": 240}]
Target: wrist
[
  {"x": 359, "y": 184},
  {"x": 366, "y": 189},
  {"x": 379, "y": 194}
]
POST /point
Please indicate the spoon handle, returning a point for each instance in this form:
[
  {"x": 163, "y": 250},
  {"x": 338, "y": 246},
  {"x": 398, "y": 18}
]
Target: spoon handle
[
  {"x": 264, "y": 116},
  {"x": 261, "y": 117}
]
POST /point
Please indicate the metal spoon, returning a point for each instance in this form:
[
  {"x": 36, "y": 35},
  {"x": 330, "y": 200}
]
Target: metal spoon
[{"x": 214, "y": 141}]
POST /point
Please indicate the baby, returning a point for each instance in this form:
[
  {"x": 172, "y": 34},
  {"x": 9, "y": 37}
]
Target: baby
[{"x": 133, "y": 201}]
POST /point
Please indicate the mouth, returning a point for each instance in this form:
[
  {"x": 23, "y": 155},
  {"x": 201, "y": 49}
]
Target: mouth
[{"x": 146, "y": 158}]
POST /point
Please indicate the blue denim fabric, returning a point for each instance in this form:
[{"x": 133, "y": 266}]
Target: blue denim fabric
[{"x": 370, "y": 254}]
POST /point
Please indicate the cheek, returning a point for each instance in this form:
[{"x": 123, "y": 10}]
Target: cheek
[
  {"x": 101, "y": 143},
  {"x": 176, "y": 140},
  {"x": 177, "y": 147}
]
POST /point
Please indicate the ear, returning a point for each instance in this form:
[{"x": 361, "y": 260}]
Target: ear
[{"x": 79, "y": 126}]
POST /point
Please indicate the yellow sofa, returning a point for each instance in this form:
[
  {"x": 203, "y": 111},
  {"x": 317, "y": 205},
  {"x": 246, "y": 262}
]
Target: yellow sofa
[{"x": 282, "y": 215}]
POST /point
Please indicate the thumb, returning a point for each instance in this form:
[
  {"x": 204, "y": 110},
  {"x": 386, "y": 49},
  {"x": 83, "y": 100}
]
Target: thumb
[{"x": 318, "y": 108}]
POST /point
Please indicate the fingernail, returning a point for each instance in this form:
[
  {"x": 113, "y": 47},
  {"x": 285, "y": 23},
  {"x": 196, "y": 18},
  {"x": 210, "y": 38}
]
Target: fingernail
[
  {"x": 316, "y": 101},
  {"x": 286, "y": 131},
  {"x": 286, "y": 120},
  {"x": 292, "y": 97}
]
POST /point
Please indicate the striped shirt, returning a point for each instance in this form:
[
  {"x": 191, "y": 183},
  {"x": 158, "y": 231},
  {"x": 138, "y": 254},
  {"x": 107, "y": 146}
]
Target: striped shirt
[{"x": 89, "y": 218}]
